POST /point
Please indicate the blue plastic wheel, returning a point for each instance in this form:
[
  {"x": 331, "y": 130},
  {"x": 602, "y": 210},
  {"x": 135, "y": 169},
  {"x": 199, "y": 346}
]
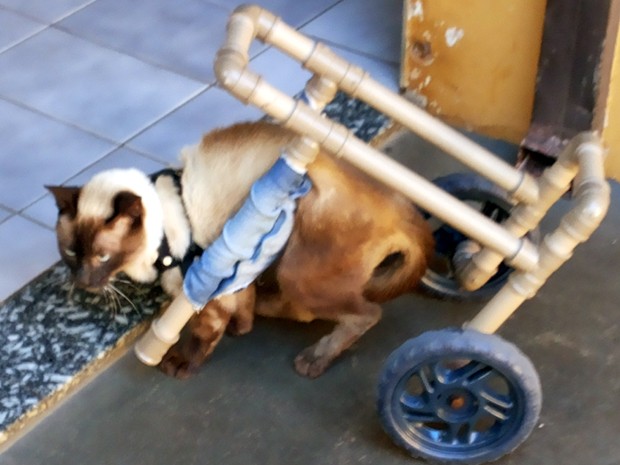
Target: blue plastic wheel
[
  {"x": 492, "y": 202},
  {"x": 459, "y": 396}
]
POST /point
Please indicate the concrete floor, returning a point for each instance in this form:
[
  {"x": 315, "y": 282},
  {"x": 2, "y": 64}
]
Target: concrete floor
[{"x": 248, "y": 406}]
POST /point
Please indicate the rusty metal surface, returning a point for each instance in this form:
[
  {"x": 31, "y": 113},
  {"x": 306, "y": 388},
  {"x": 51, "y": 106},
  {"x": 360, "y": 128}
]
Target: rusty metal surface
[{"x": 566, "y": 89}]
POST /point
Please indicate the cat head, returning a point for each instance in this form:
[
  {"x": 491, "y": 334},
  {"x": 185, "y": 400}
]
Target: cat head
[{"x": 112, "y": 224}]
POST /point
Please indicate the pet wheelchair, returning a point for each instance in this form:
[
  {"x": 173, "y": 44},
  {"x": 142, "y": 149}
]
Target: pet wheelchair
[{"x": 456, "y": 395}]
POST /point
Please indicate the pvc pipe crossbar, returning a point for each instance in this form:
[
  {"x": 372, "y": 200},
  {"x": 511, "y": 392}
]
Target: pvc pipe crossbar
[
  {"x": 252, "y": 21},
  {"x": 249, "y": 22}
]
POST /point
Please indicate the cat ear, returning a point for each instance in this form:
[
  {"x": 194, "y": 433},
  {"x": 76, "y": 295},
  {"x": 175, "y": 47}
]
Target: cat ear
[
  {"x": 66, "y": 198},
  {"x": 129, "y": 205}
]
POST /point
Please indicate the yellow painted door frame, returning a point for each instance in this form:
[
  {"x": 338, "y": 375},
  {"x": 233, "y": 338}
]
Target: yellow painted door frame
[
  {"x": 607, "y": 114},
  {"x": 475, "y": 63}
]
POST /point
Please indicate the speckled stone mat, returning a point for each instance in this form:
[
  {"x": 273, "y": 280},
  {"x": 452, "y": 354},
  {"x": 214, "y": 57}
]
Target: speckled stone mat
[
  {"x": 49, "y": 336},
  {"x": 52, "y": 338}
]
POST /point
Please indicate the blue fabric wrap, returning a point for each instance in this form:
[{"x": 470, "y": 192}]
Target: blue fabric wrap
[{"x": 251, "y": 239}]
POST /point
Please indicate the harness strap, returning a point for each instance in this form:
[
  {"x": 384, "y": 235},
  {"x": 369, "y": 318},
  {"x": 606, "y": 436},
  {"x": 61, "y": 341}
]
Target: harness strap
[{"x": 165, "y": 260}]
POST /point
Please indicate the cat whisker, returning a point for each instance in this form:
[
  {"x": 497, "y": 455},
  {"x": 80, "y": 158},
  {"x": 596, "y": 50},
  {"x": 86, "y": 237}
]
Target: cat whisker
[
  {"x": 126, "y": 282},
  {"x": 61, "y": 284},
  {"x": 123, "y": 295},
  {"x": 59, "y": 281},
  {"x": 70, "y": 292},
  {"x": 111, "y": 299}
]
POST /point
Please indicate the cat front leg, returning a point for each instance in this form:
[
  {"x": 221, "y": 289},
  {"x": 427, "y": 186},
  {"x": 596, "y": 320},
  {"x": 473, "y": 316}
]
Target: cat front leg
[
  {"x": 205, "y": 330},
  {"x": 242, "y": 318}
]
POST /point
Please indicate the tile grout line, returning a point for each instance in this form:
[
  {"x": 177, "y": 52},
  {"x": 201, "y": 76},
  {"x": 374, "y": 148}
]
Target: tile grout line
[
  {"x": 333, "y": 5},
  {"x": 9, "y": 216},
  {"x": 24, "y": 39},
  {"x": 55, "y": 25},
  {"x": 57, "y": 119},
  {"x": 158, "y": 120},
  {"x": 144, "y": 60},
  {"x": 35, "y": 221},
  {"x": 116, "y": 145},
  {"x": 103, "y": 137},
  {"x": 207, "y": 84},
  {"x": 44, "y": 24}
]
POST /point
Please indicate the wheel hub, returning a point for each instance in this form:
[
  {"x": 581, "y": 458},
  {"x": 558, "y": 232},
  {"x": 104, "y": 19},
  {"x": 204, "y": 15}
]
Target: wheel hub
[{"x": 456, "y": 405}]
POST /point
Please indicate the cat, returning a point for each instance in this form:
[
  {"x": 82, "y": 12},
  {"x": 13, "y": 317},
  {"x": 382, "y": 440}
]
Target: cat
[{"x": 355, "y": 243}]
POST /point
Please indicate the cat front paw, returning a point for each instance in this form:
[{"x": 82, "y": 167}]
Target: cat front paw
[
  {"x": 177, "y": 365},
  {"x": 308, "y": 364},
  {"x": 238, "y": 326}
]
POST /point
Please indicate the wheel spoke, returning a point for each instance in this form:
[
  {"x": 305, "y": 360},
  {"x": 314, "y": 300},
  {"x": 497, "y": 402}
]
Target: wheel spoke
[
  {"x": 489, "y": 209},
  {"x": 496, "y": 399},
  {"x": 458, "y": 433},
  {"x": 416, "y": 409},
  {"x": 497, "y": 405},
  {"x": 427, "y": 377},
  {"x": 472, "y": 374}
]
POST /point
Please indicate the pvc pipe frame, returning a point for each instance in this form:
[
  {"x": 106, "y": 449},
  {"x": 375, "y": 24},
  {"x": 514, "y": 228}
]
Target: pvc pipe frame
[
  {"x": 582, "y": 158},
  {"x": 592, "y": 195},
  {"x": 474, "y": 270},
  {"x": 583, "y": 155}
]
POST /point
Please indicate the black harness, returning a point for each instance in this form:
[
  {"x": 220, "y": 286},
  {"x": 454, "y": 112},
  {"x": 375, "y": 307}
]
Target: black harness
[{"x": 165, "y": 259}]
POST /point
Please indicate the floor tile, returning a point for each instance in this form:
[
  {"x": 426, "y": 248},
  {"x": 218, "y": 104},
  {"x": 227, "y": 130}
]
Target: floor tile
[
  {"x": 373, "y": 27},
  {"x": 45, "y": 10},
  {"x": 44, "y": 210},
  {"x": 214, "y": 108},
  {"x": 28, "y": 250},
  {"x": 14, "y": 28},
  {"x": 294, "y": 13},
  {"x": 90, "y": 86},
  {"x": 217, "y": 108},
  {"x": 182, "y": 36},
  {"x": 36, "y": 151},
  {"x": 4, "y": 214}
]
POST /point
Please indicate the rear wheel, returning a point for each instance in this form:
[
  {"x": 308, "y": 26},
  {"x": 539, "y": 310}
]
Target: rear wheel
[
  {"x": 492, "y": 202},
  {"x": 459, "y": 396}
]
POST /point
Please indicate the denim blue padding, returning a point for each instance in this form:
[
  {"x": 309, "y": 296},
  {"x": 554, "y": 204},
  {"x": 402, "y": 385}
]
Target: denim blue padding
[{"x": 251, "y": 239}]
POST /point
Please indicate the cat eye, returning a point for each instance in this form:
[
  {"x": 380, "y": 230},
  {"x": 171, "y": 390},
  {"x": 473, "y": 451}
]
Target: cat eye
[
  {"x": 69, "y": 253},
  {"x": 103, "y": 257}
]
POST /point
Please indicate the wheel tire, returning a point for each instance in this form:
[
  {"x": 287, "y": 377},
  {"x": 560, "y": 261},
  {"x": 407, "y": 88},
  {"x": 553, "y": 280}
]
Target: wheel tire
[
  {"x": 439, "y": 280},
  {"x": 458, "y": 396}
]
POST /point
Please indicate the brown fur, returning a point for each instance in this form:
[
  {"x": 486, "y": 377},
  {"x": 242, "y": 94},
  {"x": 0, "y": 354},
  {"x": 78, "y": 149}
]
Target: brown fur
[
  {"x": 230, "y": 313},
  {"x": 355, "y": 244}
]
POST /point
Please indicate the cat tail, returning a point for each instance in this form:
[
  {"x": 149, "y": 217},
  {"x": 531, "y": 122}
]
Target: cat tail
[{"x": 400, "y": 260}]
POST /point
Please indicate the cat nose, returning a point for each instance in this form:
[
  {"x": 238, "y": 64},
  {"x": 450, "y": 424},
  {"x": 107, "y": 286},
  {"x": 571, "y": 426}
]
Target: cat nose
[{"x": 85, "y": 279}]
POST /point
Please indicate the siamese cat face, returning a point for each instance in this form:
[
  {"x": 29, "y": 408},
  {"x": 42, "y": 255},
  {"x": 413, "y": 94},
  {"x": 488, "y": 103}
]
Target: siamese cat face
[{"x": 97, "y": 243}]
